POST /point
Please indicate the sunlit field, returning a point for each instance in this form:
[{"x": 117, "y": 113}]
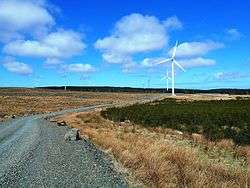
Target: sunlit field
[
  {"x": 163, "y": 157},
  {"x": 220, "y": 119}
]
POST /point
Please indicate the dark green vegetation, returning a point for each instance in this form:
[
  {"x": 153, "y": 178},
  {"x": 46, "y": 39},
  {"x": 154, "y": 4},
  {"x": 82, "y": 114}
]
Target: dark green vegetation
[
  {"x": 214, "y": 119},
  {"x": 149, "y": 90}
]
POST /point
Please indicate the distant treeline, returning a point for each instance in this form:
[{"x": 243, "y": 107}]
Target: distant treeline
[{"x": 148, "y": 90}]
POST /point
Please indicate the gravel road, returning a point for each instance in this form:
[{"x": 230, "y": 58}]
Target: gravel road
[{"x": 33, "y": 153}]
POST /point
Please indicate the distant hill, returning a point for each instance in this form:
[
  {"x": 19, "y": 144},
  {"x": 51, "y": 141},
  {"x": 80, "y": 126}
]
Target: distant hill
[{"x": 148, "y": 90}]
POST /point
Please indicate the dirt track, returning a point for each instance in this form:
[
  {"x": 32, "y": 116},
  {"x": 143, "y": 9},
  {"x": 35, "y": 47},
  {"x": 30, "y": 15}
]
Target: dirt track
[{"x": 33, "y": 153}]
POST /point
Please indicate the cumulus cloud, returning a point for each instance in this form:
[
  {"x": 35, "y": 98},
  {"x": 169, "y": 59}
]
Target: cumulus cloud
[
  {"x": 116, "y": 58},
  {"x": 17, "y": 67},
  {"x": 134, "y": 33},
  {"x": 78, "y": 68},
  {"x": 196, "y": 62},
  {"x": 172, "y": 23},
  {"x": 60, "y": 44},
  {"x": 129, "y": 67},
  {"x": 189, "y": 49},
  {"x": 150, "y": 62},
  {"x": 53, "y": 61},
  {"x": 189, "y": 54},
  {"x": 15, "y": 17},
  {"x": 230, "y": 75},
  {"x": 35, "y": 36},
  {"x": 233, "y": 34},
  {"x": 185, "y": 62}
]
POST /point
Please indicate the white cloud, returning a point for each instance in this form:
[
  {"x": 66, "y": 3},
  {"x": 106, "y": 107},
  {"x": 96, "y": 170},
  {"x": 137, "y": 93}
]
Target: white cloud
[
  {"x": 17, "y": 67},
  {"x": 219, "y": 75},
  {"x": 27, "y": 30},
  {"x": 230, "y": 75},
  {"x": 60, "y": 44},
  {"x": 116, "y": 58},
  {"x": 78, "y": 68},
  {"x": 172, "y": 23},
  {"x": 23, "y": 16},
  {"x": 133, "y": 34},
  {"x": 52, "y": 63},
  {"x": 233, "y": 34},
  {"x": 129, "y": 67},
  {"x": 150, "y": 62},
  {"x": 196, "y": 62},
  {"x": 185, "y": 62},
  {"x": 189, "y": 49}
]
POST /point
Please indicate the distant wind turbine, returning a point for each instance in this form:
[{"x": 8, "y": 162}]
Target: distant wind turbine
[
  {"x": 148, "y": 82},
  {"x": 65, "y": 76},
  {"x": 173, "y": 63},
  {"x": 167, "y": 78},
  {"x": 143, "y": 85}
]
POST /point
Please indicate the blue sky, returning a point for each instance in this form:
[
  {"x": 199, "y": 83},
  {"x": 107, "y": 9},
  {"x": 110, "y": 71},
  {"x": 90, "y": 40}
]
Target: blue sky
[{"x": 118, "y": 43}]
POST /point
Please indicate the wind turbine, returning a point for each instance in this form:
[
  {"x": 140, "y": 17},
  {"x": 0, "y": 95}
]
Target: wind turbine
[
  {"x": 149, "y": 82},
  {"x": 65, "y": 76},
  {"x": 166, "y": 77},
  {"x": 173, "y": 63}
]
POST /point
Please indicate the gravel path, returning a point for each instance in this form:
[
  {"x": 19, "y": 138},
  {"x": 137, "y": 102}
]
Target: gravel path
[{"x": 33, "y": 153}]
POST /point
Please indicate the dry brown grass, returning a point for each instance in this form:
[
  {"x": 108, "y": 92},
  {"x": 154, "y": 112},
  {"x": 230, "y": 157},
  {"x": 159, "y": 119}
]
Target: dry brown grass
[
  {"x": 163, "y": 157},
  {"x": 192, "y": 97},
  {"x": 31, "y": 101}
]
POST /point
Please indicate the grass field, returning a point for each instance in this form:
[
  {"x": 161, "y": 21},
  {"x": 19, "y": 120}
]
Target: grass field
[
  {"x": 22, "y": 102},
  {"x": 215, "y": 119},
  {"x": 162, "y": 157},
  {"x": 149, "y": 145}
]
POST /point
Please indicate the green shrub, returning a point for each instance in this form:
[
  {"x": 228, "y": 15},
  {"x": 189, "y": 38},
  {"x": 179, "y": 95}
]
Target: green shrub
[
  {"x": 243, "y": 137},
  {"x": 215, "y": 119}
]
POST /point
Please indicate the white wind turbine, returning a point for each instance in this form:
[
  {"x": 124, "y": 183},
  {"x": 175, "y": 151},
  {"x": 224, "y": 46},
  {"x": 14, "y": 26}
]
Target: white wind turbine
[
  {"x": 65, "y": 76},
  {"x": 173, "y": 63},
  {"x": 167, "y": 78}
]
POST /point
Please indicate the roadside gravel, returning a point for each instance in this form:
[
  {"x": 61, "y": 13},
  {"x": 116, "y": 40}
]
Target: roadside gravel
[{"x": 33, "y": 153}]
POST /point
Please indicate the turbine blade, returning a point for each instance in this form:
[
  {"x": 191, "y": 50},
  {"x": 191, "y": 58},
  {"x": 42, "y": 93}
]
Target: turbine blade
[
  {"x": 163, "y": 78},
  {"x": 179, "y": 66},
  {"x": 175, "y": 48},
  {"x": 164, "y": 61}
]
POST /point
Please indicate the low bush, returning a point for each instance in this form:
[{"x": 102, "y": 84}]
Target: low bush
[{"x": 215, "y": 119}]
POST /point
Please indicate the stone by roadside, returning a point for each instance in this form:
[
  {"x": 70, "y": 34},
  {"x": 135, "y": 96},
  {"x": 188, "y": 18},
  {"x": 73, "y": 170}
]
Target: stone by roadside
[{"x": 72, "y": 135}]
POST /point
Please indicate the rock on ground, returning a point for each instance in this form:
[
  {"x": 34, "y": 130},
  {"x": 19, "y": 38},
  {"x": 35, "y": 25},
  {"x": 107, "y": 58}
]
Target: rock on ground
[
  {"x": 61, "y": 123},
  {"x": 72, "y": 134}
]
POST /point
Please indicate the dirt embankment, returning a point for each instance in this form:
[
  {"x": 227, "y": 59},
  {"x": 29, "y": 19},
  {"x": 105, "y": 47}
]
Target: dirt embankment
[{"x": 166, "y": 158}]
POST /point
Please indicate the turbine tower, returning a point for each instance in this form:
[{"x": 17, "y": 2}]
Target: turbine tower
[
  {"x": 167, "y": 78},
  {"x": 65, "y": 76},
  {"x": 173, "y": 63},
  {"x": 148, "y": 83}
]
